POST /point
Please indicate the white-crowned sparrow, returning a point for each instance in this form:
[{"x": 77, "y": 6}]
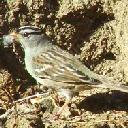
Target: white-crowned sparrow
[{"x": 57, "y": 69}]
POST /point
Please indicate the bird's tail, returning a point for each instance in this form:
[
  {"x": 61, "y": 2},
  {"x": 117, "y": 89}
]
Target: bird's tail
[{"x": 113, "y": 85}]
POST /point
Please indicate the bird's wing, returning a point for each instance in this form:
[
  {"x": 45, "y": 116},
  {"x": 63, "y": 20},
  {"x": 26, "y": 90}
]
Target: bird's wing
[{"x": 58, "y": 65}]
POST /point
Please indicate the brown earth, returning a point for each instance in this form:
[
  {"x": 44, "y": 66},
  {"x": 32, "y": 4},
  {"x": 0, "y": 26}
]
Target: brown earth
[{"x": 96, "y": 31}]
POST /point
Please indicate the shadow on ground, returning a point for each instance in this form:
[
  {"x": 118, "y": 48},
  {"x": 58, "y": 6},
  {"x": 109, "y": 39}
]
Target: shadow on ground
[{"x": 99, "y": 103}]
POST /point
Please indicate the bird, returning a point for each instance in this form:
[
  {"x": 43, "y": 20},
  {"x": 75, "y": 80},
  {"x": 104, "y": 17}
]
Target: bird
[{"x": 57, "y": 69}]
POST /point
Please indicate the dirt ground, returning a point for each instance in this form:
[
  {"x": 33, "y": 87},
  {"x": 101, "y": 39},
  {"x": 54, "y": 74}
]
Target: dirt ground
[{"x": 94, "y": 30}]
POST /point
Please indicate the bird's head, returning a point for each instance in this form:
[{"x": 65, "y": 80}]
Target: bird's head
[{"x": 29, "y": 36}]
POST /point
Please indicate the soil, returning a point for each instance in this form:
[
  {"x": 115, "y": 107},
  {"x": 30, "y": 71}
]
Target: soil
[{"x": 94, "y": 30}]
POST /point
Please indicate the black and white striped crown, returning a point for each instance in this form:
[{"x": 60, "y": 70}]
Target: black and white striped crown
[{"x": 29, "y": 29}]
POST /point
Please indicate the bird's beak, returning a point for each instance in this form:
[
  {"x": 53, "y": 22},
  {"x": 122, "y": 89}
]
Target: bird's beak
[
  {"x": 14, "y": 35},
  {"x": 11, "y": 38}
]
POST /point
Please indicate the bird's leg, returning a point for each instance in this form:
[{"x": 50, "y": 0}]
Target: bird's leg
[
  {"x": 68, "y": 94},
  {"x": 65, "y": 106},
  {"x": 56, "y": 100}
]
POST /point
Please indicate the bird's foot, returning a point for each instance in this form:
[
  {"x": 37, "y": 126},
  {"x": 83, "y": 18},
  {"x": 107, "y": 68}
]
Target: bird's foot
[{"x": 61, "y": 112}]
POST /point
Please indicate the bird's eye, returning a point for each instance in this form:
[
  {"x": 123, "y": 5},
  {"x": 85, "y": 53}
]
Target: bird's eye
[{"x": 26, "y": 34}]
